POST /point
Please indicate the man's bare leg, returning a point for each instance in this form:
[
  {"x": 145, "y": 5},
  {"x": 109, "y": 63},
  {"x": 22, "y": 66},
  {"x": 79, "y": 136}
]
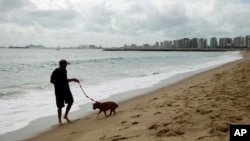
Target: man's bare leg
[
  {"x": 59, "y": 113},
  {"x": 67, "y": 111}
]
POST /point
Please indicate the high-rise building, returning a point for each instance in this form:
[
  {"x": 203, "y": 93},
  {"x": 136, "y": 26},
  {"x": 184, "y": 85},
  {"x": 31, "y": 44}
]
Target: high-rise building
[
  {"x": 186, "y": 43},
  {"x": 146, "y": 46},
  {"x": 194, "y": 43},
  {"x": 167, "y": 44},
  {"x": 202, "y": 43},
  {"x": 157, "y": 45},
  {"x": 161, "y": 44},
  {"x": 213, "y": 42},
  {"x": 175, "y": 44},
  {"x": 248, "y": 41},
  {"x": 181, "y": 43},
  {"x": 225, "y": 42},
  {"x": 239, "y": 42},
  {"x": 133, "y": 46}
]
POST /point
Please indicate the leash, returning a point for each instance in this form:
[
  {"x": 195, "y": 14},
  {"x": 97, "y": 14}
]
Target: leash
[{"x": 86, "y": 94}]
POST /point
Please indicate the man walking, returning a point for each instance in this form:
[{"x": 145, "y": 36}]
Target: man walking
[{"x": 62, "y": 91}]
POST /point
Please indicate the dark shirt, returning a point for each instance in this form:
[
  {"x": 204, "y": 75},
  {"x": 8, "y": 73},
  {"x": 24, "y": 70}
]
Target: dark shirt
[{"x": 60, "y": 81}]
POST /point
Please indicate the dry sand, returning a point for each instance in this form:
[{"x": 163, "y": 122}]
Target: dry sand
[{"x": 198, "y": 108}]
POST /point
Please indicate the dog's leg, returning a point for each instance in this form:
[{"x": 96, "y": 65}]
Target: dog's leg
[
  {"x": 105, "y": 113},
  {"x": 110, "y": 112},
  {"x": 98, "y": 113}
]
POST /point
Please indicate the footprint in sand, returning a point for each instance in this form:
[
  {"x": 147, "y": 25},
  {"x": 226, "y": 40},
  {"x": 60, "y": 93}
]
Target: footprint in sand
[
  {"x": 123, "y": 122},
  {"x": 134, "y": 123},
  {"x": 119, "y": 137},
  {"x": 153, "y": 99},
  {"x": 154, "y": 126},
  {"x": 235, "y": 119},
  {"x": 166, "y": 124},
  {"x": 202, "y": 137},
  {"x": 76, "y": 132},
  {"x": 136, "y": 116},
  {"x": 126, "y": 127},
  {"x": 157, "y": 113},
  {"x": 203, "y": 112},
  {"x": 168, "y": 133}
]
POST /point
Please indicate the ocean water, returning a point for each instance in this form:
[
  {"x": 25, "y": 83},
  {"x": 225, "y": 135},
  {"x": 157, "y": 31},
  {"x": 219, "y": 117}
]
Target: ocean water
[{"x": 26, "y": 94}]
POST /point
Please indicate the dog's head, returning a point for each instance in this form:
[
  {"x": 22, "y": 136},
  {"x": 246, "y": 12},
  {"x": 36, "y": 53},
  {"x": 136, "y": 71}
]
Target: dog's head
[{"x": 96, "y": 105}]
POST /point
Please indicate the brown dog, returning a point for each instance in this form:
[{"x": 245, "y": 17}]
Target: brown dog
[{"x": 105, "y": 106}]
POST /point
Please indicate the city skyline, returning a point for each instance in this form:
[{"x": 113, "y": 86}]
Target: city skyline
[
  {"x": 196, "y": 42},
  {"x": 110, "y": 23}
]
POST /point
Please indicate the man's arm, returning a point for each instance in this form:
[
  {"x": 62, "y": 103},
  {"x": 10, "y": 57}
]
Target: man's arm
[
  {"x": 52, "y": 80},
  {"x": 73, "y": 79}
]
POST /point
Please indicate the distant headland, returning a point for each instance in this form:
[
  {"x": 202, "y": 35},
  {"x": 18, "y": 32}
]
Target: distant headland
[{"x": 26, "y": 47}]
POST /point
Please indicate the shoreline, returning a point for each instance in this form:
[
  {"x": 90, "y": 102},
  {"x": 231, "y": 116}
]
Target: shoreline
[{"x": 125, "y": 104}]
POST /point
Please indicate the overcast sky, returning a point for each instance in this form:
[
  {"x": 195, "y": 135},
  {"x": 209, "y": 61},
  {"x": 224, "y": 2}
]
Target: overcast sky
[{"x": 117, "y": 22}]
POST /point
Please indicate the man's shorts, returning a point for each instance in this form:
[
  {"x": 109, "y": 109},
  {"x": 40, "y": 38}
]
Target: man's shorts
[{"x": 61, "y": 99}]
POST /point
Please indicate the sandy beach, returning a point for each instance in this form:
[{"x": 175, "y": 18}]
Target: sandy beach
[{"x": 198, "y": 108}]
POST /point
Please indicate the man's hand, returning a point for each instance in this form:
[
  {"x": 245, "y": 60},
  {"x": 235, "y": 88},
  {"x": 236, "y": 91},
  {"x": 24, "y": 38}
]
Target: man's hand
[{"x": 74, "y": 79}]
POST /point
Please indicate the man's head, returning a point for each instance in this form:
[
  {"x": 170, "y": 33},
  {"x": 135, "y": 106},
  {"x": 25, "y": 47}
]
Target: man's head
[{"x": 63, "y": 64}]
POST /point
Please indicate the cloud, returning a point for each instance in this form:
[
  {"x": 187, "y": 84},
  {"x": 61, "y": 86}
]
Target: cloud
[
  {"x": 114, "y": 23},
  {"x": 8, "y": 5},
  {"x": 26, "y": 14}
]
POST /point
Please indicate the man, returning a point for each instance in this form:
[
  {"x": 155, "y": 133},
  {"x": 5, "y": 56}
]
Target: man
[{"x": 62, "y": 90}]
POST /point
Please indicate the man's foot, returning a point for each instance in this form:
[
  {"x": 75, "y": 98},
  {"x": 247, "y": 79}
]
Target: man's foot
[
  {"x": 67, "y": 119},
  {"x": 60, "y": 124}
]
